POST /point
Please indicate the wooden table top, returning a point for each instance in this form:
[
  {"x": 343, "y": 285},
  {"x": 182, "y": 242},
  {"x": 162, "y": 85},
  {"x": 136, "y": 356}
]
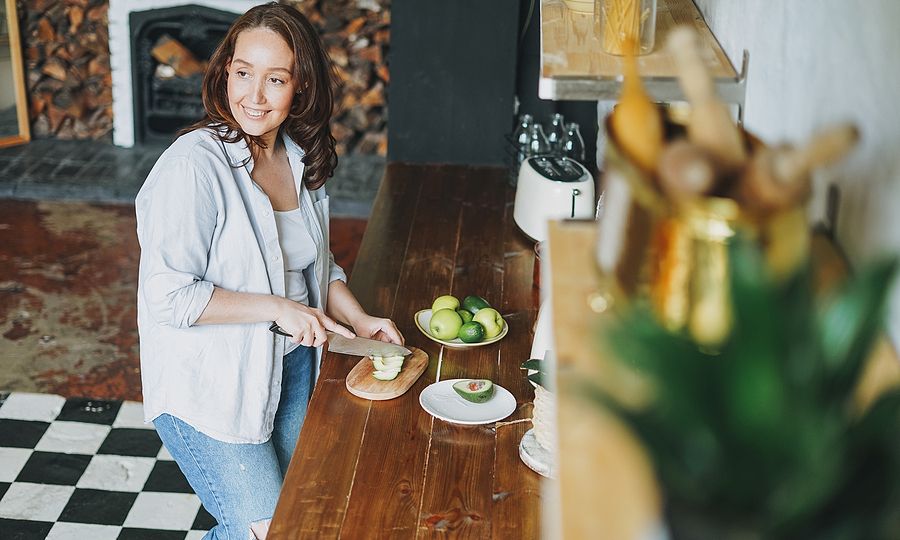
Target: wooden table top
[{"x": 372, "y": 469}]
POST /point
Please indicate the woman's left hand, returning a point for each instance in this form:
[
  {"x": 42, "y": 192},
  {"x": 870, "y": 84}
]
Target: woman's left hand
[{"x": 378, "y": 328}]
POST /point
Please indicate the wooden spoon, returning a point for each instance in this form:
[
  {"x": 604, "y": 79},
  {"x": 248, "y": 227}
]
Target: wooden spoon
[
  {"x": 636, "y": 121},
  {"x": 779, "y": 177},
  {"x": 710, "y": 125}
]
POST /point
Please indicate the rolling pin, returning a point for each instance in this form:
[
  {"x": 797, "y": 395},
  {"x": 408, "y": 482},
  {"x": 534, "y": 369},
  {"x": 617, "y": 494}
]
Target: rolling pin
[
  {"x": 709, "y": 126},
  {"x": 779, "y": 177},
  {"x": 636, "y": 121}
]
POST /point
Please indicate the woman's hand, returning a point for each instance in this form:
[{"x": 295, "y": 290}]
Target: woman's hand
[
  {"x": 378, "y": 328},
  {"x": 307, "y": 325}
]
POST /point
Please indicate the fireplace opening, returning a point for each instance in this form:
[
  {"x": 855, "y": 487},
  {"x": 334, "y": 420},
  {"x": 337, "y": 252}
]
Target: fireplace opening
[{"x": 170, "y": 48}]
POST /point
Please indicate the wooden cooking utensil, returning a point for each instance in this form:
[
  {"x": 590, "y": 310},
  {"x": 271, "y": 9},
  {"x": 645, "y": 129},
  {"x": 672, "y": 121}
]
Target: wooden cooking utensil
[
  {"x": 685, "y": 171},
  {"x": 710, "y": 125},
  {"x": 779, "y": 177},
  {"x": 636, "y": 121},
  {"x": 361, "y": 383}
]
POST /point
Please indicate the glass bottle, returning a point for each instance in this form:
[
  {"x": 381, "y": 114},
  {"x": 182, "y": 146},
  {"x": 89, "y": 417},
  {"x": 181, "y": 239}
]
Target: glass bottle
[
  {"x": 537, "y": 141},
  {"x": 520, "y": 138},
  {"x": 555, "y": 134},
  {"x": 572, "y": 143}
]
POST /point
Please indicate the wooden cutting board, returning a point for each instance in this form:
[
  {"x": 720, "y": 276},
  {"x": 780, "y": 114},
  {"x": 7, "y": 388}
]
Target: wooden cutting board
[{"x": 360, "y": 381}]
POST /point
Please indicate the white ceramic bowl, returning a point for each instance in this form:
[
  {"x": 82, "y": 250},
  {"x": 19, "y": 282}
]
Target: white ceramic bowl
[{"x": 423, "y": 317}]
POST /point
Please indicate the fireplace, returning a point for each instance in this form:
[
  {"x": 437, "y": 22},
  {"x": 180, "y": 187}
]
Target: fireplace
[
  {"x": 150, "y": 103},
  {"x": 164, "y": 99}
]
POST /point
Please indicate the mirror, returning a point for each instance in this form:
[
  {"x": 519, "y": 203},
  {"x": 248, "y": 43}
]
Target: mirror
[{"x": 13, "y": 105}]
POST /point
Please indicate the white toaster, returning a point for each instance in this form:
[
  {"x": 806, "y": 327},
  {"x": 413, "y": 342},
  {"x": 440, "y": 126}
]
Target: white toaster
[{"x": 551, "y": 188}]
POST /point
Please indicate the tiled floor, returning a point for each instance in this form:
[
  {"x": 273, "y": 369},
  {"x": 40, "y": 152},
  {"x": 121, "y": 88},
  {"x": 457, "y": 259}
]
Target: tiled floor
[{"x": 77, "y": 469}]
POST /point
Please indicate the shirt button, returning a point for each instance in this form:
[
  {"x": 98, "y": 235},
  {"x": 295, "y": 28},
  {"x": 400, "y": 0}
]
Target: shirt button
[{"x": 274, "y": 257}]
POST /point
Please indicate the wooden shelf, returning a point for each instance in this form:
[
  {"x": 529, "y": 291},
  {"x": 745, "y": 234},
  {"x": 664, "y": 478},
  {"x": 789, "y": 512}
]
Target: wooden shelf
[{"x": 573, "y": 66}]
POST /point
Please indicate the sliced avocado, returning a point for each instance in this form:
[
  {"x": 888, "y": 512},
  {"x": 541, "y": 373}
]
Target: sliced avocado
[
  {"x": 475, "y": 390},
  {"x": 386, "y": 375},
  {"x": 379, "y": 363}
]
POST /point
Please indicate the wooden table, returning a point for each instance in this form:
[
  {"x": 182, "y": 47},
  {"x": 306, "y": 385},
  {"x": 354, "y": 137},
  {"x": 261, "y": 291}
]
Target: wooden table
[{"x": 367, "y": 469}]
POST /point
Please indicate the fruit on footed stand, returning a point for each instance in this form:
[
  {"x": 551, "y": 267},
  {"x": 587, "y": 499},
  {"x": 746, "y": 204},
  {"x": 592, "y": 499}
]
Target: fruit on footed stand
[
  {"x": 445, "y": 302},
  {"x": 491, "y": 320},
  {"x": 471, "y": 321},
  {"x": 471, "y": 332},
  {"x": 475, "y": 390},
  {"x": 445, "y": 324},
  {"x": 473, "y": 304}
]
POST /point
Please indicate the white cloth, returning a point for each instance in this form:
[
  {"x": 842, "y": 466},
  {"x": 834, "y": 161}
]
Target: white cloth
[
  {"x": 203, "y": 222},
  {"x": 299, "y": 252}
]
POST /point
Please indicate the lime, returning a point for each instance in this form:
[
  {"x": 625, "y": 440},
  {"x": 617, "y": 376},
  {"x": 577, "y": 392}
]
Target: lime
[
  {"x": 471, "y": 332},
  {"x": 466, "y": 315},
  {"x": 474, "y": 303}
]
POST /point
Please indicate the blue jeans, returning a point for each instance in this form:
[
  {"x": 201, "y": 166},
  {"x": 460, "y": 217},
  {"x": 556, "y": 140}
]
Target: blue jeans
[{"x": 239, "y": 484}]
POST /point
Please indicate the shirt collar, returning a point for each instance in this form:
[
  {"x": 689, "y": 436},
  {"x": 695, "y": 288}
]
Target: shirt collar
[{"x": 239, "y": 153}]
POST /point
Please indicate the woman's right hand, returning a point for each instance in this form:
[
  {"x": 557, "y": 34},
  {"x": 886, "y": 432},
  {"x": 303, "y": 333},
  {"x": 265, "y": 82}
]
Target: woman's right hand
[{"x": 307, "y": 325}]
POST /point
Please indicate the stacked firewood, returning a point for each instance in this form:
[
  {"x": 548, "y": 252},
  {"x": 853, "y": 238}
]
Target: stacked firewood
[
  {"x": 356, "y": 34},
  {"x": 66, "y": 50}
]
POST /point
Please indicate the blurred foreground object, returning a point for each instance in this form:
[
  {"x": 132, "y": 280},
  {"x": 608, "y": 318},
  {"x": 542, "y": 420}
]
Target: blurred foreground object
[
  {"x": 761, "y": 439},
  {"x": 682, "y": 181}
]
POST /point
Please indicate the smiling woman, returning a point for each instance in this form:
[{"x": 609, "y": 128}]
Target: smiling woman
[{"x": 233, "y": 227}]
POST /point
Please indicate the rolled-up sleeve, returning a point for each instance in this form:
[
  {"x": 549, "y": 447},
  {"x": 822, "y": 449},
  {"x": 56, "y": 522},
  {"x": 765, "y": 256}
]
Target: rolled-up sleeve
[
  {"x": 176, "y": 219},
  {"x": 335, "y": 272}
]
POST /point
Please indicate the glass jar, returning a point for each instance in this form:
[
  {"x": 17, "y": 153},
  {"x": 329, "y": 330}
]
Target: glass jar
[{"x": 615, "y": 21}]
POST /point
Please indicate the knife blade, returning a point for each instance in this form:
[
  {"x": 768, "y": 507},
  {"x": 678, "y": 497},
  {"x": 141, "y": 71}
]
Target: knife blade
[
  {"x": 358, "y": 346},
  {"x": 361, "y": 346}
]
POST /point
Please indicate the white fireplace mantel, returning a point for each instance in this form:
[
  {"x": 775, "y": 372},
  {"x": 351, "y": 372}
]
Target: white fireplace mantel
[{"x": 120, "y": 54}]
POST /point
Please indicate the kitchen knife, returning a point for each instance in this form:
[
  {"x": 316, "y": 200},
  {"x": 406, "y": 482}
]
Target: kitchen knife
[{"x": 358, "y": 346}]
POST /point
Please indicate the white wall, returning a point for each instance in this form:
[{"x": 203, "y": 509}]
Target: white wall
[{"x": 815, "y": 62}]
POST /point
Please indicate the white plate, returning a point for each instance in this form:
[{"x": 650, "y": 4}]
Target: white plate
[
  {"x": 423, "y": 318},
  {"x": 441, "y": 401}
]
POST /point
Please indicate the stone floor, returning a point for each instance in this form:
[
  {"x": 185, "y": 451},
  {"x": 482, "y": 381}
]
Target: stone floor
[
  {"x": 69, "y": 255},
  {"x": 98, "y": 171}
]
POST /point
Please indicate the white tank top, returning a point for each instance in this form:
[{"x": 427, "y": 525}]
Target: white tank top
[{"x": 299, "y": 252}]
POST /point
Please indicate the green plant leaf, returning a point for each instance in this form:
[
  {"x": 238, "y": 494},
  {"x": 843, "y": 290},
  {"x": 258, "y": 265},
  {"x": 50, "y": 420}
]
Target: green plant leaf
[
  {"x": 850, "y": 321},
  {"x": 534, "y": 363}
]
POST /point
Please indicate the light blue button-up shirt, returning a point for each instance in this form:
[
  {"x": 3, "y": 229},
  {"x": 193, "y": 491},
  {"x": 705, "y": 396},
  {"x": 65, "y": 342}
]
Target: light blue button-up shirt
[{"x": 203, "y": 222}]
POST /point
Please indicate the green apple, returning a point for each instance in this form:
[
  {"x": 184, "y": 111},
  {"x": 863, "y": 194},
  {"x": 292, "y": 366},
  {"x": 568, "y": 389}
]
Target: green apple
[
  {"x": 491, "y": 320},
  {"x": 466, "y": 315},
  {"x": 445, "y": 324},
  {"x": 445, "y": 302}
]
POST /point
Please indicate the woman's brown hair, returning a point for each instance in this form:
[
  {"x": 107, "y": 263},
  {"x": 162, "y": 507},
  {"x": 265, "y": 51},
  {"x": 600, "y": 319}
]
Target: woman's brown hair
[{"x": 307, "y": 123}]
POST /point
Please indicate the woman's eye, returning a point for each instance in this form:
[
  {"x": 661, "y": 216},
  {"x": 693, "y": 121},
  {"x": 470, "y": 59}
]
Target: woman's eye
[
  {"x": 242, "y": 74},
  {"x": 275, "y": 80}
]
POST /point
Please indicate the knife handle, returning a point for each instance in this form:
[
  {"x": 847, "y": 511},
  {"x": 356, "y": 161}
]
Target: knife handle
[{"x": 278, "y": 330}]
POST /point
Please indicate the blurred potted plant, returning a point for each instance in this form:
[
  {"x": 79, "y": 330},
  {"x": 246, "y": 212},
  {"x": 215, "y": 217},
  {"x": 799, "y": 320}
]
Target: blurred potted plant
[{"x": 760, "y": 438}]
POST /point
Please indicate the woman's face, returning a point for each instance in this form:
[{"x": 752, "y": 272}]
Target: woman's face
[{"x": 261, "y": 84}]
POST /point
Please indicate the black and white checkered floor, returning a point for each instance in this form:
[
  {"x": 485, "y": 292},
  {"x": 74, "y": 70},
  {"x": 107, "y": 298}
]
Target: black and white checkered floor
[{"x": 80, "y": 469}]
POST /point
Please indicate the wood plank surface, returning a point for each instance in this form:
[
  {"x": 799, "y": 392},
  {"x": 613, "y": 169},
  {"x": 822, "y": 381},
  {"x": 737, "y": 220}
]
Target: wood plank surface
[
  {"x": 319, "y": 478},
  {"x": 382, "y": 469},
  {"x": 387, "y": 493},
  {"x": 570, "y": 46},
  {"x": 457, "y": 495}
]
